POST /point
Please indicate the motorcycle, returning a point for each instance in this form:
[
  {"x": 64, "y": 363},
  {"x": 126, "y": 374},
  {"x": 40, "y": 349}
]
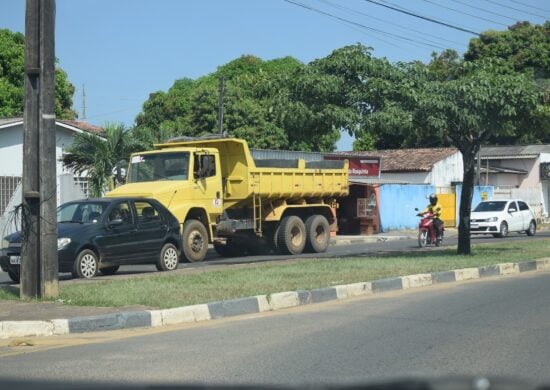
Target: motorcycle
[{"x": 426, "y": 230}]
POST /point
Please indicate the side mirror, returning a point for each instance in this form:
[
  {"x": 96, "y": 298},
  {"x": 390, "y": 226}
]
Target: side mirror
[
  {"x": 115, "y": 222},
  {"x": 512, "y": 210},
  {"x": 119, "y": 171}
]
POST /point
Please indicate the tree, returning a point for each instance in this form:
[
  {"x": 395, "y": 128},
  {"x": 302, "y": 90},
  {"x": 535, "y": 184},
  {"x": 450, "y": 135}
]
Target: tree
[
  {"x": 486, "y": 100},
  {"x": 97, "y": 157},
  {"x": 12, "y": 55},
  {"x": 524, "y": 47}
]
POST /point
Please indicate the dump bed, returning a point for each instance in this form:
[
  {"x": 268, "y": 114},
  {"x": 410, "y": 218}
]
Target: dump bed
[{"x": 244, "y": 177}]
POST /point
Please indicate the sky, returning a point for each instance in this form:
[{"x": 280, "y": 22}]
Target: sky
[{"x": 120, "y": 51}]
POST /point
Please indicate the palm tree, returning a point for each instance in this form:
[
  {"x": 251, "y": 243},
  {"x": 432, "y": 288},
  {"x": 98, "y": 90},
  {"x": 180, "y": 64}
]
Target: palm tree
[{"x": 97, "y": 157}]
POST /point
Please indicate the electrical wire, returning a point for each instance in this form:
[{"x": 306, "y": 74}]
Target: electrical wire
[
  {"x": 530, "y": 6},
  {"x": 425, "y": 18},
  {"x": 512, "y": 8},
  {"x": 485, "y": 10},
  {"x": 351, "y": 10},
  {"x": 465, "y": 13},
  {"x": 374, "y": 30}
]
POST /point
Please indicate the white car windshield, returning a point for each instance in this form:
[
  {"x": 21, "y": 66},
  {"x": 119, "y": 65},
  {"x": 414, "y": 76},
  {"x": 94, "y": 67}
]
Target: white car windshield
[{"x": 490, "y": 206}]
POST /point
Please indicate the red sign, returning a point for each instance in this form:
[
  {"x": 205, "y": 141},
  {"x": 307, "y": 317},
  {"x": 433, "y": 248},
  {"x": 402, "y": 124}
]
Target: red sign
[{"x": 360, "y": 166}]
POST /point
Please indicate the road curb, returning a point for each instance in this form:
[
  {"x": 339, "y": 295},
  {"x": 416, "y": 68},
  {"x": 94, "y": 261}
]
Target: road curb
[{"x": 257, "y": 304}]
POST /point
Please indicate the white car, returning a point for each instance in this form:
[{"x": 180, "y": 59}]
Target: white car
[{"x": 501, "y": 216}]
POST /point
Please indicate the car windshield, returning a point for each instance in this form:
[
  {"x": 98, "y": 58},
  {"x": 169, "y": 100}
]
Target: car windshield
[
  {"x": 490, "y": 206},
  {"x": 159, "y": 166},
  {"x": 80, "y": 212}
]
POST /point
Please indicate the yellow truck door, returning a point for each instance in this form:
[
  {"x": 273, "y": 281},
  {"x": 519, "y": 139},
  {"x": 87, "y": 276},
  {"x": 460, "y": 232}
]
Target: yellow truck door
[{"x": 207, "y": 188}]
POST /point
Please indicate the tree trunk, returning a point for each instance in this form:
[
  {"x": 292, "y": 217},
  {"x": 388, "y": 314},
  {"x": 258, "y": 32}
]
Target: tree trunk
[{"x": 468, "y": 160}]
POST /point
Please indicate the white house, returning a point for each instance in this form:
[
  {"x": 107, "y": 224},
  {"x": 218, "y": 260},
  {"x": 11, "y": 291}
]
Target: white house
[
  {"x": 11, "y": 159},
  {"x": 518, "y": 171}
]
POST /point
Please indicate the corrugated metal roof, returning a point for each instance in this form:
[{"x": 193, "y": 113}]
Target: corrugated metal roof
[
  {"x": 376, "y": 180},
  {"x": 409, "y": 160},
  {"x": 513, "y": 151},
  {"x": 264, "y": 154}
]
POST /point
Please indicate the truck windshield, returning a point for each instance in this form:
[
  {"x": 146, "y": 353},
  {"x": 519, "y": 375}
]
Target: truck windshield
[{"x": 159, "y": 166}]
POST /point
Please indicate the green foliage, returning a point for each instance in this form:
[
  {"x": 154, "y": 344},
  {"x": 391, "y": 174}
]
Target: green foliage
[
  {"x": 12, "y": 57},
  {"x": 525, "y": 47},
  {"x": 98, "y": 157}
]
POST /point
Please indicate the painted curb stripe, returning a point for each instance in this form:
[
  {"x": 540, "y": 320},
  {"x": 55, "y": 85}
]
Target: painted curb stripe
[{"x": 256, "y": 304}]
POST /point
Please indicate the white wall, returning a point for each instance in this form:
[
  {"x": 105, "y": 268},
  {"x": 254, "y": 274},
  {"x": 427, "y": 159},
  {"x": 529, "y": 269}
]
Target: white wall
[
  {"x": 447, "y": 170},
  {"x": 443, "y": 173},
  {"x": 408, "y": 177},
  {"x": 11, "y": 149}
]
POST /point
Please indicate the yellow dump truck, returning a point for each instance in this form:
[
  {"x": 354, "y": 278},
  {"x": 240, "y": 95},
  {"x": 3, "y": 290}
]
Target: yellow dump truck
[{"x": 221, "y": 195}]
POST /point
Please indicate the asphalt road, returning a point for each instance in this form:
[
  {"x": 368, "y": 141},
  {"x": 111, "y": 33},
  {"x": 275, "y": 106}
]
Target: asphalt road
[
  {"x": 213, "y": 259},
  {"x": 498, "y": 328}
]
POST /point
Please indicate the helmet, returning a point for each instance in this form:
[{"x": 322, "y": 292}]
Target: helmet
[{"x": 433, "y": 199}]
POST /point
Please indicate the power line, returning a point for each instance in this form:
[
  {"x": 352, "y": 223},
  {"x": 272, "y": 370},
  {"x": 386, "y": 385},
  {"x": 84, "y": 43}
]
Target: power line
[
  {"x": 341, "y": 7},
  {"x": 360, "y": 25},
  {"x": 485, "y": 10},
  {"x": 512, "y": 8},
  {"x": 465, "y": 13},
  {"x": 425, "y": 18},
  {"x": 530, "y": 6}
]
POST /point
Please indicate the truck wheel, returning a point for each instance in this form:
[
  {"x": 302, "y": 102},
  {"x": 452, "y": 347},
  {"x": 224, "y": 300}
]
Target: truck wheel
[
  {"x": 317, "y": 233},
  {"x": 291, "y": 236},
  {"x": 194, "y": 241}
]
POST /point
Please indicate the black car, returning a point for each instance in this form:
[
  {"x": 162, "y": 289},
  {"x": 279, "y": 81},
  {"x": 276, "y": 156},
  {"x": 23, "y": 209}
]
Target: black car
[{"x": 102, "y": 234}]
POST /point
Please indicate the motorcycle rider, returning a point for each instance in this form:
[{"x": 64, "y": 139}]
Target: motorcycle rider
[{"x": 435, "y": 208}]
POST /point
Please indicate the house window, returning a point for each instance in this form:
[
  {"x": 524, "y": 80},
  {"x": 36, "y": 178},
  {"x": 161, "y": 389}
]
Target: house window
[{"x": 8, "y": 185}]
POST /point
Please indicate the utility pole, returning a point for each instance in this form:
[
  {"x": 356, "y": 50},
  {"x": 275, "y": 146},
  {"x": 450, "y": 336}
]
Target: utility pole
[
  {"x": 220, "y": 107},
  {"x": 83, "y": 102},
  {"x": 39, "y": 267}
]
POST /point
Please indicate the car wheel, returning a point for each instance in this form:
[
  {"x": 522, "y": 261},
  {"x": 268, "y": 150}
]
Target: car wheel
[
  {"x": 291, "y": 237},
  {"x": 194, "y": 241},
  {"x": 317, "y": 234},
  {"x": 503, "y": 232},
  {"x": 532, "y": 230},
  {"x": 14, "y": 276},
  {"x": 109, "y": 270},
  {"x": 169, "y": 258},
  {"x": 85, "y": 265}
]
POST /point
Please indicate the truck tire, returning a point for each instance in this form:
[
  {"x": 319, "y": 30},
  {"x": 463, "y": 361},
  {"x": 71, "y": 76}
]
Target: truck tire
[
  {"x": 194, "y": 241},
  {"x": 291, "y": 235},
  {"x": 317, "y": 234}
]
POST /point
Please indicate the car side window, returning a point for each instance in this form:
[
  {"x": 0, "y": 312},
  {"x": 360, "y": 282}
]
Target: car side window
[
  {"x": 121, "y": 212},
  {"x": 512, "y": 207},
  {"x": 147, "y": 213},
  {"x": 523, "y": 206}
]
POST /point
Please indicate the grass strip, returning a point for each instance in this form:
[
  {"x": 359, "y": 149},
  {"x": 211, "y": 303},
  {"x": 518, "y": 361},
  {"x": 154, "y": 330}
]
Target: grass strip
[{"x": 257, "y": 279}]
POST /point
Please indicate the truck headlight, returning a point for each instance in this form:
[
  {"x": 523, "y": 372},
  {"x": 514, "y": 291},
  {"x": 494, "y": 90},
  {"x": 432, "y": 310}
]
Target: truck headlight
[
  {"x": 4, "y": 244},
  {"x": 63, "y": 242}
]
